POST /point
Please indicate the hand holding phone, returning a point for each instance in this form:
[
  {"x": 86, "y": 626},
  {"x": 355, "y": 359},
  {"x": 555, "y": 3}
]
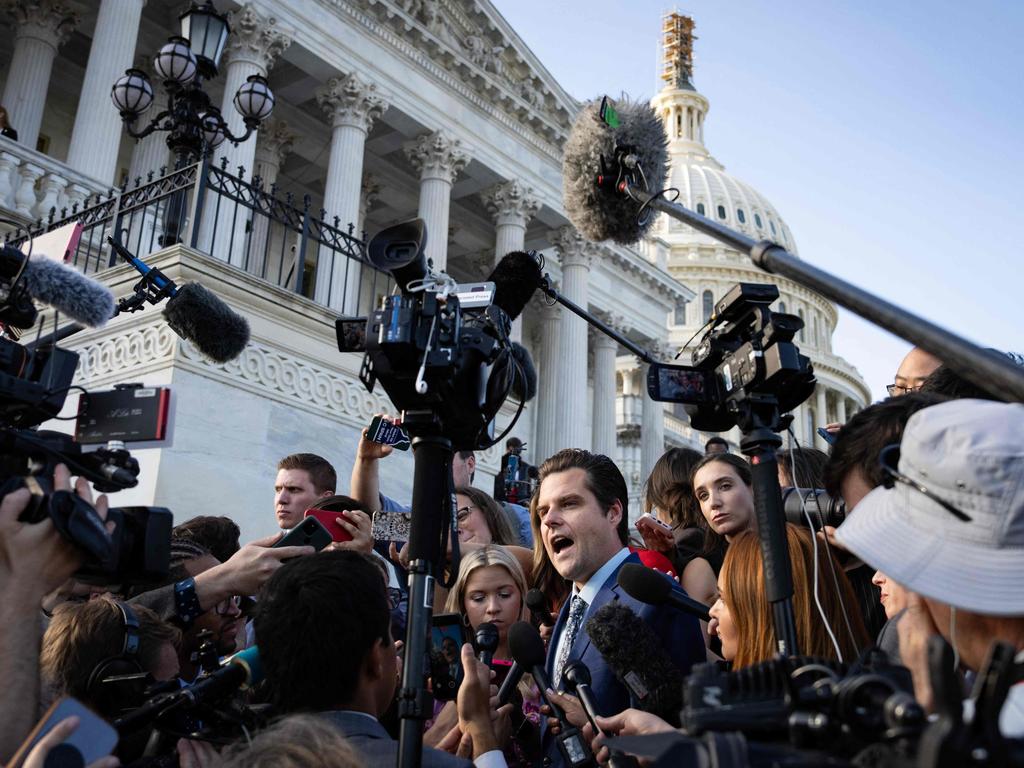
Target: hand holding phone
[
  {"x": 309, "y": 533},
  {"x": 68, "y": 726},
  {"x": 387, "y": 433},
  {"x": 657, "y": 534},
  {"x": 329, "y": 520}
]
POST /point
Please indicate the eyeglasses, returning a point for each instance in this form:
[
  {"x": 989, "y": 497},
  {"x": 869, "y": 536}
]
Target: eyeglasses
[
  {"x": 896, "y": 390},
  {"x": 224, "y": 606},
  {"x": 889, "y": 457},
  {"x": 462, "y": 513}
]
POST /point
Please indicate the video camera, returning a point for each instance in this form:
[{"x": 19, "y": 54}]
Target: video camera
[{"x": 799, "y": 504}]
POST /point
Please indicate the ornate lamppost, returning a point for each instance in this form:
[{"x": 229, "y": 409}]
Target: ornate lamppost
[{"x": 194, "y": 126}]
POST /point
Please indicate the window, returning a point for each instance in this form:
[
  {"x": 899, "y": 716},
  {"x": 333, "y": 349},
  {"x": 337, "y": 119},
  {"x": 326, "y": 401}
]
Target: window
[
  {"x": 709, "y": 304},
  {"x": 679, "y": 317},
  {"x": 700, "y": 209},
  {"x": 741, "y": 216},
  {"x": 814, "y": 329},
  {"x": 721, "y": 211},
  {"x": 782, "y": 307},
  {"x": 757, "y": 220},
  {"x": 772, "y": 223},
  {"x": 800, "y": 312}
]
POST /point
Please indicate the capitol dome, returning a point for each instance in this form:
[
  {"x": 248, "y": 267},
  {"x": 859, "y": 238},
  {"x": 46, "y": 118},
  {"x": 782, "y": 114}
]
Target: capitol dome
[{"x": 711, "y": 268}]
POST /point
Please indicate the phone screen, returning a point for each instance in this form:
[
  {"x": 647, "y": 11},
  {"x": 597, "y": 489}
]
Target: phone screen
[
  {"x": 93, "y": 738},
  {"x": 447, "y": 636}
]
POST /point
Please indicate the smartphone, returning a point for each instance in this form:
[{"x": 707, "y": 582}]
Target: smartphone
[
  {"x": 310, "y": 532},
  {"x": 447, "y": 636},
  {"x": 328, "y": 520},
  {"x": 827, "y": 436},
  {"x": 391, "y": 526},
  {"x": 648, "y": 517},
  {"x": 383, "y": 431},
  {"x": 501, "y": 669},
  {"x": 93, "y": 738}
]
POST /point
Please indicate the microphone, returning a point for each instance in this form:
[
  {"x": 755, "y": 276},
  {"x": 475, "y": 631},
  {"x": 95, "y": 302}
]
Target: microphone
[
  {"x": 515, "y": 279},
  {"x": 637, "y": 140},
  {"x": 486, "y": 642},
  {"x": 538, "y": 605},
  {"x": 654, "y": 588},
  {"x": 576, "y": 676},
  {"x": 638, "y": 659},
  {"x": 527, "y": 648},
  {"x": 195, "y": 313},
  {"x": 84, "y": 300},
  {"x": 510, "y": 683}
]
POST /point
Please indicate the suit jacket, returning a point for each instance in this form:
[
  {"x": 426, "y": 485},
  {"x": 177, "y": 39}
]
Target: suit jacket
[
  {"x": 679, "y": 633},
  {"x": 378, "y": 748}
]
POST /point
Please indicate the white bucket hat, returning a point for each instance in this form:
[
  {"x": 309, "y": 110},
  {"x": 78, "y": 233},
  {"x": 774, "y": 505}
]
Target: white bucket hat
[{"x": 969, "y": 454}]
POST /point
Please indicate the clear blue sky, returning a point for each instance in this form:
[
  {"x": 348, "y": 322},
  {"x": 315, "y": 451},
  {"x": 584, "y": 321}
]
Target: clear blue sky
[{"x": 888, "y": 136}]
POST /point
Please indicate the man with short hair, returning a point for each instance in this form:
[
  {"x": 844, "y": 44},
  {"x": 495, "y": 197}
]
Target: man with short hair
[
  {"x": 580, "y": 516},
  {"x": 326, "y": 646},
  {"x": 716, "y": 445},
  {"x": 949, "y": 525},
  {"x": 913, "y": 370},
  {"x": 302, "y": 479}
]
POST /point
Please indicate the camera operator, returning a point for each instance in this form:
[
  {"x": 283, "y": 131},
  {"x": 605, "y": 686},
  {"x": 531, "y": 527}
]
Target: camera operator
[
  {"x": 960, "y": 459},
  {"x": 34, "y": 560},
  {"x": 525, "y": 474},
  {"x": 326, "y": 646}
]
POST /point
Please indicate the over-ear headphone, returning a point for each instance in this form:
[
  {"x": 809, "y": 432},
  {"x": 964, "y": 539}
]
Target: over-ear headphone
[{"x": 116, "y": 681}]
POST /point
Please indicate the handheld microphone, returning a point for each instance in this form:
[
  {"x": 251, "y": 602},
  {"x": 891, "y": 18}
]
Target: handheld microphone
[
  {"x": 486, "y": 642},
  {"x": 510, "y": 683},
  {"x": 576, "y": 677},
  {"x": 654, "y": 588},
  {"x": 515, "y": 279},
  {"x": 639, "y": 141},
  {"x": 638, "y": 659},
  {"x": 538, "y": 605},
  {"x": 527, "y": 649},
  {"x": 84, "y": 300}
]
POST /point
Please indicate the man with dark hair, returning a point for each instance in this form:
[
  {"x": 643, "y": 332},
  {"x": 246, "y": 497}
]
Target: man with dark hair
[
  {"x": 326, "y": 646},
  {"x": 302, "y": 478},
  {"x": 580, "y": 516},
  {"x": 216, "y": 534},
  {"x": 716, "y": 445}
]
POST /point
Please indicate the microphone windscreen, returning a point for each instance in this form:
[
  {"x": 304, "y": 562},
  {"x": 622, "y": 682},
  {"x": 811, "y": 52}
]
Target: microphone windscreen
[
  {"x": 67, "y": 290},
  {"x": 537, "y": 602},
  {"x": 597, "y": 213},
  {"x": 525, "y": 645},
  {"x": 633, "y": 652},
  {"x": 486, "y": 637},
  {"x": 524, "y": 379},
  {"x": 515, "y": 279},
  {"x": 196, "y": 314},
  {"x": 249, "y": 658},
  {"x": 644, "y": 584}
]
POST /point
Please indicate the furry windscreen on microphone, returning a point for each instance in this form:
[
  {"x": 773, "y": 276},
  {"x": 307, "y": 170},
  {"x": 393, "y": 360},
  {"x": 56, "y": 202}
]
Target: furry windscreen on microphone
[
  {"x": 515, "y": 279},
  {"x": 69, "y": 291},
  {"x": 196, "y": 314},
  {"x": 599, "y": 214}
]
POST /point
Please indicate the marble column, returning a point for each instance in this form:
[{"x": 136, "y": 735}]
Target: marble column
[
  {"x": 512, "y": 204},
  {"x": 40, "y": 29},
  {"x": 352, "y": 105},
  {"x": 438, "y": 159},
  {"x": 97, "y": 133},
  {"x": 273, "y": 145},
  {"x": 253, "y": 46},
  {"x": 574, "y": 254},
  {"x": 547, "y": 438},
  {"x": 820, "y": 416},
  {"x": 652, "y": 424},
  {"x": 603, "y": 429},
  {"x": 840, "y": 408}
]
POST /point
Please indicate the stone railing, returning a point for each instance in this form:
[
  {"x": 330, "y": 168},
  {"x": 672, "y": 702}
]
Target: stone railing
[{"x": 32, "y": 184}]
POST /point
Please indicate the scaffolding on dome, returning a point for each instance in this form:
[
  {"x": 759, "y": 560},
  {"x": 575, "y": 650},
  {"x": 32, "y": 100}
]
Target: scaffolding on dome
[{"x": 677, "y": 49}]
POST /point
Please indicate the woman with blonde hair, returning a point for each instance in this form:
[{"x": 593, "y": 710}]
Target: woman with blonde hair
[{"x": 742, "y": 615}]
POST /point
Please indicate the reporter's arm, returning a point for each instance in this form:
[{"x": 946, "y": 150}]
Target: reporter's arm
[{"x": 364, "y": 485}]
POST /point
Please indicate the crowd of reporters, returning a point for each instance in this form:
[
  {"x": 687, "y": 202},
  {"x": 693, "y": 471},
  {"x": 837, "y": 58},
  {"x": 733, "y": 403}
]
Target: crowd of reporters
[{"x": 932, "y": 544}]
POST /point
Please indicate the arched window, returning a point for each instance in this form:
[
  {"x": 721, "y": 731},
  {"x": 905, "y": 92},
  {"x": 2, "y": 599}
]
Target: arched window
[
  {"x": 800, "y": 312},
  {"x": 772, "y": 224},
  {"x": 721, "y": 211},
  {"x": 757, "y": 220},
  {"x": 709, "y": 304},
  {"x": 741, "y": 216},
  {"x": 701, "y": 209},
  {"x": 782, "y": 307}
]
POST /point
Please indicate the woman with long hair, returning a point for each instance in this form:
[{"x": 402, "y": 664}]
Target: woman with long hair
[
  {"x": 723, "y": 486},
  {"x": 742, "y": 616}
]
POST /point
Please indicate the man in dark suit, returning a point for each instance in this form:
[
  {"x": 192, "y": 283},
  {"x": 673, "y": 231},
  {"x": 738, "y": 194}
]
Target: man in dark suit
[
  {"x": 325, "y": 643},
  {"x": 583, "y": 522}
]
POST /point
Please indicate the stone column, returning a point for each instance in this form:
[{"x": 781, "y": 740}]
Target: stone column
[
  {"x": 96, "y": 136},
  {"x": 652, "y": 423},
  {"x": 150, "y": 153},
  {"x": 574, "y": 254},
  {"x": 512, "y": 204},
  {"x": 840, "y": 408},
  {"x": 820, "y": 416},
  {"x": 369, "y": 194},
  {"x": 548, "y": 340},
  {"x": 273, "y": 144},
  {"x": 352, "y": 105},
  {"x": 603, "y": 429},
  {"x": 438, "y": 159},
  {"x": 252, "y": 48},
  {"x": 40, "y": 29}
]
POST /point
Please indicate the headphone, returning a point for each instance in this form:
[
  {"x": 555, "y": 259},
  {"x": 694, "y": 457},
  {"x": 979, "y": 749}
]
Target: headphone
[{"x": 118, "y": 680}]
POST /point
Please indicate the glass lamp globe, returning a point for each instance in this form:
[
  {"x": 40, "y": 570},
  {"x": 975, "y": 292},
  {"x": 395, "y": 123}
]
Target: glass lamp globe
[
  {"x": 254, "y": 100},
  {"x": 175, "y": 62},
  {"x": 132, "y": 93},
  {"x": 213, "y": 127}
]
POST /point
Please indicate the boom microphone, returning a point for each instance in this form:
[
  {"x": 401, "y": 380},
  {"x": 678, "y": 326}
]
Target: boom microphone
[
  {"x": 654, "y": 588},
  {"x": 64, "y": 288},
  {"x": 538, "y": 605},
  {"x": 638, "y": 659},
  {"x": 638, "y": 139},
  {"x": 515, "y": 279}
]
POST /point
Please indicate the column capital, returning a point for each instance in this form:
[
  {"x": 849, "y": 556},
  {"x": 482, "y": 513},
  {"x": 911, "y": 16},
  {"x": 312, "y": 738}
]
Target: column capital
[
  {"x": 50, "y": 21},
  {"x": 572, "y": 249},
  {"x": 511, "y": 202},
  {"x": 349, "y": 100},
  {"x": 436, "y": 156},
  {"x": 274, "y": 142},
  {"x": 613, "y": 320},
  {"x": 254, "y": 38}
]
